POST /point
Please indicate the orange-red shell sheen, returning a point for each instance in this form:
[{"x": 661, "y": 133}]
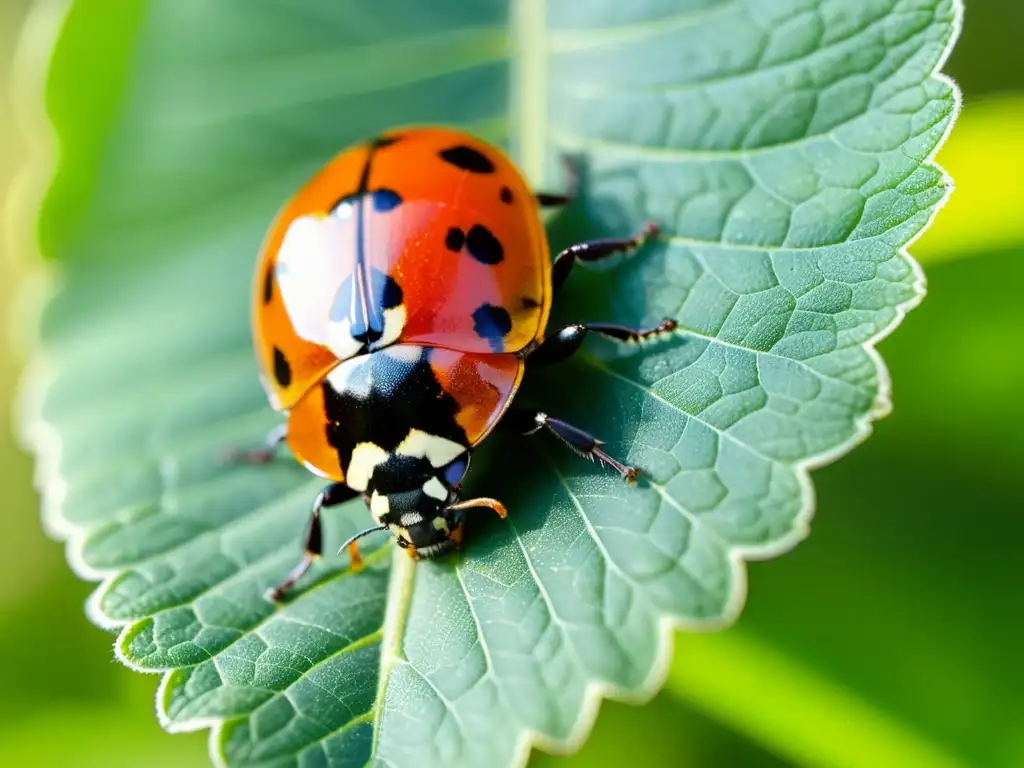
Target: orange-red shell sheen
[
  {"x": 307, "y": 436},
  {"x": 483, "y": 386},
  {"x": 272, "y": 329},
  {"x": 460, "y": 236}
]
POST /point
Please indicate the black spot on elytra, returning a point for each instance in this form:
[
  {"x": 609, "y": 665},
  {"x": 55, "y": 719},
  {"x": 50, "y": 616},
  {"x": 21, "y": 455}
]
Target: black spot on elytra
[
  {"x": 385, "y": 200},
  {"x": 268, "y": 285},
  {"x": 392, "y": 295},
  {"x": 505, "y": 195},
  {"x": 484, "y": 246},
  {"x": 364, "y": 310},
  {"x": 492, "y": 323},
  {"x": 282, "y": 371},
  {"x": 468, "y": 159},
  {"x": 455, "y": 239}
]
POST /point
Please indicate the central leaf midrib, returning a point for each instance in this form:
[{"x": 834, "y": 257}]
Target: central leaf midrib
[
  {"x": 527, "y": 38},
  {"x": 399, "y": 601}
]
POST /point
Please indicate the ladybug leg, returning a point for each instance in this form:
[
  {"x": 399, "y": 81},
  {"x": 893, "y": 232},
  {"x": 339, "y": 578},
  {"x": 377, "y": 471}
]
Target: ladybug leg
[
  {"x": 530, "y": 422},
  {"x": 595, "y": 250},
  {"x": 275, "y": 438},
  {"x": 312, "y": 541},
  {"x": 564, "y": 342},
  {"x": 552, "y": 200}
]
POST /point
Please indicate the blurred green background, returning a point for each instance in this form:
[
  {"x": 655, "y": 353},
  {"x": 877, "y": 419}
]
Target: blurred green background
[{"x": 892, "y": 636}]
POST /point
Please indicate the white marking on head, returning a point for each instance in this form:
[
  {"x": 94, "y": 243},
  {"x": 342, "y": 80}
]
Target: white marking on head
[
  {"x": 435, "y": 488},
  {"x": 379, "y": 506},
  {"x": 410, "y": 518},
  {"x": 439, "y": 451},
  {"x": 365, "y": 458}
]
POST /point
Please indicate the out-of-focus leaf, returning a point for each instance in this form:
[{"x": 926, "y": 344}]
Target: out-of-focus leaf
[
  {"x": 85, "y": 740},
  {"x": 812, "y": 721}
]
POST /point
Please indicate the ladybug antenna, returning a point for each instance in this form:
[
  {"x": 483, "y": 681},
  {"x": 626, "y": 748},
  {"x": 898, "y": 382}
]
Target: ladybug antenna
[
  {"x": 353, "y": 539},
  {"x": 494, "y": 504}
]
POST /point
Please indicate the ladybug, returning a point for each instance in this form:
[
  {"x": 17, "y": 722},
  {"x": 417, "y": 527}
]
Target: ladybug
[{"x": 398, "y": 297}]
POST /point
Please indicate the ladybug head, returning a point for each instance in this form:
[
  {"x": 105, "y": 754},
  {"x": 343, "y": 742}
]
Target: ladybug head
[{"x": 416, "y": 503}]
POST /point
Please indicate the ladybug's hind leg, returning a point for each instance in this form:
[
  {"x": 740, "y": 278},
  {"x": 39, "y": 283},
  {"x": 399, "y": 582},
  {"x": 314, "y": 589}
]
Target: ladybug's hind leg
[
  {"x": 275, "y": 438},
  {"x": 556, "y": 200},
  {"x": 529, "y": 422}
]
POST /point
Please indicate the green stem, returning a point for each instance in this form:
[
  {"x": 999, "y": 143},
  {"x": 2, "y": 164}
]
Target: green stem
[{"x": 529, "y": 86}]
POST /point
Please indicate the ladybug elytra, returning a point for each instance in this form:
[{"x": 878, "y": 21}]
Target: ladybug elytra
[{"x": 398, "y": 296}]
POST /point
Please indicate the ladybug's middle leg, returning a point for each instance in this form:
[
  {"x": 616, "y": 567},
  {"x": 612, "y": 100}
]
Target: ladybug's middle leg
[
  {"x": 564, "y": 342},
  {"x": 557, "y": 347},
  {"x": 312, "y": 542}
]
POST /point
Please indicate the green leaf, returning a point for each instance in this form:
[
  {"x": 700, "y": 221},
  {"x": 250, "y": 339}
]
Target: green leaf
[{"x": 783, "y": 145}]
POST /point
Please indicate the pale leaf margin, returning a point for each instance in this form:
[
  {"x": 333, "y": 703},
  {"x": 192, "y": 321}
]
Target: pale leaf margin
[{"x": 40, "y": 33}]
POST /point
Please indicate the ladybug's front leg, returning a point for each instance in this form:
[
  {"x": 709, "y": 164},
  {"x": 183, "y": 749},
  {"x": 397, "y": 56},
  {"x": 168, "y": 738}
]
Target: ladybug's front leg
[
  {"x": 560, "y": 345},
  {"x": 332, "y": 495},
  {"x": 596, "y": 250}
]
